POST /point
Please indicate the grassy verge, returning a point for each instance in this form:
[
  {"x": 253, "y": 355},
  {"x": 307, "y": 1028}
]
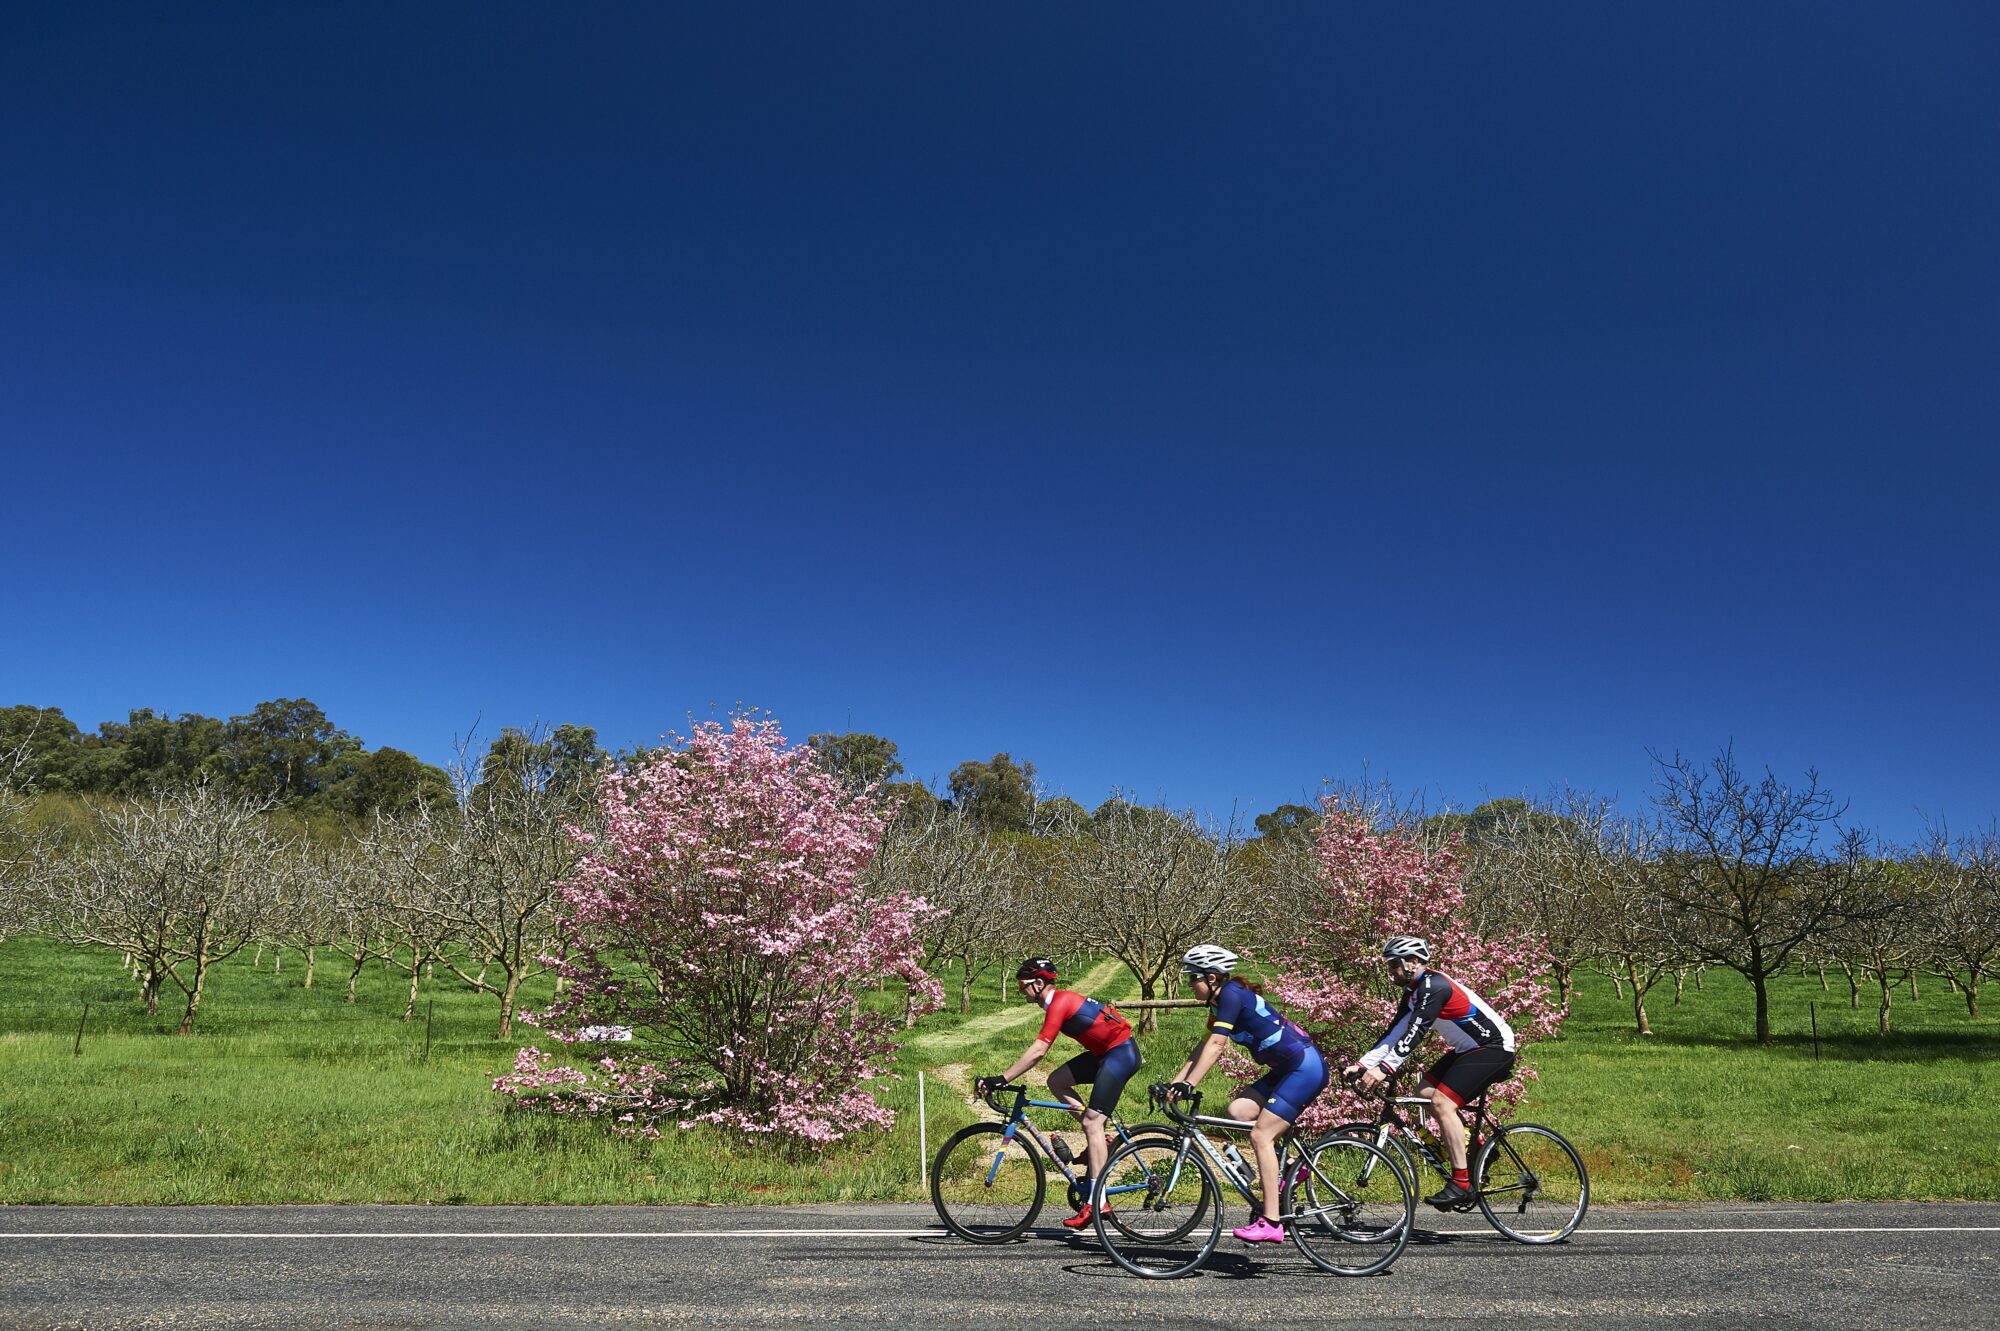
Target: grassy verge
[{"x": 286, "y": 1094}]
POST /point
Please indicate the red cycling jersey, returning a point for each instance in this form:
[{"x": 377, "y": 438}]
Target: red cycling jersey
[{"x": 1094, "y": 1025}]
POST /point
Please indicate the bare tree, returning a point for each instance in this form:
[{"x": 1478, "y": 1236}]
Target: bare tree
[
  {"x": 24, "y": 853},
  {"x": 1961, "y": 905},
  {"x": 1886, "y": 935},
  {"x": 1745, "y": 869},
  {"x": 1632, "y": 935},
  {"x": 177, "y": 881},
  {"x": 969, "y": 876},
  {"x": 486, "y": 873},
  {"x": 1531, "y": 873},
  {"x": 1150, "y": 883}
]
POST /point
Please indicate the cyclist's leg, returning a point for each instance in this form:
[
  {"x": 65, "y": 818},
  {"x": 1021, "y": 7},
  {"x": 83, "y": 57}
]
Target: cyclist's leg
[
  {"x": 1453, "y": 1082},
  {"x": 1114, "y": 1069},
  {"x": 1082, "y": 1070},
  {"x": 1290, "y": 1091}
]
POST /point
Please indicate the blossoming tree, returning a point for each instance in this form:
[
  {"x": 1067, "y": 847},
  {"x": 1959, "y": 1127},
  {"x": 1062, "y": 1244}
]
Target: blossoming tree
[
  {"x": 721, "y": 915},
  {"x": 1374, "y": 883}
]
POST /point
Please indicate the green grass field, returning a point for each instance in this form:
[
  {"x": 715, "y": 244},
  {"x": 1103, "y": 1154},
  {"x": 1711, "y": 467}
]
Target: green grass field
[{"x": 291, "y": 1095}]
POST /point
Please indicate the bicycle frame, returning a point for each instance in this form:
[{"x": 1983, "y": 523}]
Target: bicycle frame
[
  {"x": 1016, "y": 1119},
  {"x": 1192, "y": 1124}
]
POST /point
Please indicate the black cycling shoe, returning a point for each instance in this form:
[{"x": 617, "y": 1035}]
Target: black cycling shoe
[{"x": 1451, "y": 1197}]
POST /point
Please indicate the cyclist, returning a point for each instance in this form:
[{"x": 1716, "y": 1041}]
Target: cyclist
[
  {"x": 1110, "y": 1056},
  {"x": 1294, "y": 1071},
  {"x": 1480, "y": 1051}
]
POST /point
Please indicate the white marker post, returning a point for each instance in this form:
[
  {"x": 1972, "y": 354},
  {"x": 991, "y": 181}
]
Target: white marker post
[{"x": 923, "y": 1137}]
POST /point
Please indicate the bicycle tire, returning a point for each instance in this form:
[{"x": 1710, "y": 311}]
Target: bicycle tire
[
  {"x": 1524, "y": 1166},
  {"x": 1153, "y": 1205},
  {"x": 1347, "y": 1207},
  {"x": 1397, "y": 1151},
  {"x": 1133, "y": 1132},
  {"x": 986, "y": 1187}
]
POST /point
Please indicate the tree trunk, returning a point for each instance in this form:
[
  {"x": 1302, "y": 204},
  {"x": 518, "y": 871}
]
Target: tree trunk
[
  {"x": 360, "y": 960},
  {"x": 1562, "y": 983},
  {"x": 150, "y": 992},
  {"x": 277, "y": 960},
  {"x": 964, "y": 985},
  {"x": 257, "y": 959},
  {"x": 507, "y": 996},
  {"x": 1638, "y": 999},
  {"x": 1699, "y": 987},
  {"x": 1761, "y": 982},
  {"x": 416, "y": 973},
  {"x": 1680, "y": 983},
  {"x": 309, "y": 970},
  {"x": 1914, "y": 996},
  {"x": 1617, "y": 986},
  {"x": 1972, "y": 994},
  {"x": 194, "y": 994},
  {"x": 1883, "y": 981},
  {"x": 1822, "y": 977},
  {"x": 1149, "y": 1018},
  {"x": 1853, "y": 986},
  {"x": 479, "y": 982}
]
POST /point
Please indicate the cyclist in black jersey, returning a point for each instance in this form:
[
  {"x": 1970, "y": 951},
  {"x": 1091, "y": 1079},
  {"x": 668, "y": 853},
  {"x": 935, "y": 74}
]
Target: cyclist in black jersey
[{"x": 1480, "y": 1051}]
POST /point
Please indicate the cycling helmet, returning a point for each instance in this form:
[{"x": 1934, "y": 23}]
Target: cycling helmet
[
  {"x": 1408, "y": 948},
  {"x": 1035, "y": 968},
  {"x": 1208, "y": 959}
]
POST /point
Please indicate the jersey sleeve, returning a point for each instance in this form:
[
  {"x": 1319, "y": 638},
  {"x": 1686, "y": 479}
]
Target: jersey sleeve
[
  {"x": 1228, "y": 1011},
  {"x": 1414, "y": 1018},
  {"x": 1062, "y": 1006}
]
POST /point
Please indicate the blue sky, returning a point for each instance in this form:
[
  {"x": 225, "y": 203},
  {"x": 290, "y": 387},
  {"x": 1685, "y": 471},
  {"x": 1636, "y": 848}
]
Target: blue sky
[{"x": 1192, "y": 401}]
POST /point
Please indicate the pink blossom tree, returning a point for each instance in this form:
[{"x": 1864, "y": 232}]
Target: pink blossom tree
[
  {"x": 722, "y": 917},
  {"x": 1376, "y": 882}
]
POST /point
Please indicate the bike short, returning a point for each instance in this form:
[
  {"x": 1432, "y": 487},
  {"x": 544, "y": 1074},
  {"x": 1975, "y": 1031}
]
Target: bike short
[
  {"x": 1463, "y": 1073},
  {"x": 1105, "y": 1074},
  {"x": 1286, "y": 1091}
]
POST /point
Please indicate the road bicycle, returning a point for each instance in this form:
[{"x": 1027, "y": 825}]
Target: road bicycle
[
  {"x": 1344, "y": 1204},
  {"x": 989, "y": 1180},
  {"x": 1528, "y": 1181}
]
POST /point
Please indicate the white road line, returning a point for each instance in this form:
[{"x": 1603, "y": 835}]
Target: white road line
[{"x": 1587, "y": 1232}]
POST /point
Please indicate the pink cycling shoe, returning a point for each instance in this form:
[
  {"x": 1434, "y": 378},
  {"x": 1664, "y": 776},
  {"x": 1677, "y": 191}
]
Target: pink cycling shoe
[{"x": 1260, "y": 1230}]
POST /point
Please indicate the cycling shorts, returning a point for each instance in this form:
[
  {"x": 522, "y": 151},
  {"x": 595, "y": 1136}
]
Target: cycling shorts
[
  {"x": 1463, "y": 1073},
  {"x": 1285, "y": 1090},
  {"x": 1105, "y": 1074}
]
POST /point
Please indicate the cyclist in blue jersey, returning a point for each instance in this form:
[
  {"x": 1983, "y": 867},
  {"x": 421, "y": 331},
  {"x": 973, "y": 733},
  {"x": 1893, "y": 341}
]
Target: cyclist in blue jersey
[{"x": 1294, "y": 1074}]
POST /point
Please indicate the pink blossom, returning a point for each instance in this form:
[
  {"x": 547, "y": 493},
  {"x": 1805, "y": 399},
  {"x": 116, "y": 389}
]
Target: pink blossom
[
  {"x": 1377, "y": 883},
  {"x": 721, "y": 915}
]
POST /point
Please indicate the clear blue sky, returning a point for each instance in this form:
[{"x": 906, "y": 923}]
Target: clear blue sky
[{"x": 1194, "y": 400}]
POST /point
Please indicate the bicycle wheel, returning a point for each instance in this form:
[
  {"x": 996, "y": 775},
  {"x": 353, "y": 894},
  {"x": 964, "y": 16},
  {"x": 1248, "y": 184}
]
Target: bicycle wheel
[
  {"x": 1394, "y": 1147},
  {"x": 985, "y": 1187},
  {"x": 1161, "y": 1214},
  {"x": 1348, "y": 1207},
  {"x": 1532, "y": 1184}
]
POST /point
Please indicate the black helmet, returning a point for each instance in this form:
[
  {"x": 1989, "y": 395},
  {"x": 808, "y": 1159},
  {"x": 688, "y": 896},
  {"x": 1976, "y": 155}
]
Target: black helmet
[{"x": 1035, "y": 968}]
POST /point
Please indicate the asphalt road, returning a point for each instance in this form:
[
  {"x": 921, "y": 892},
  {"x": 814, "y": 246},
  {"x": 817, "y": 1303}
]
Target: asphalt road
[{"x": 1849, "y": 1265}]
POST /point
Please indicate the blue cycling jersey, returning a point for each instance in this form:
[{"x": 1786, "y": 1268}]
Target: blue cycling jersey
[{"x": 1242, "y": 1014}]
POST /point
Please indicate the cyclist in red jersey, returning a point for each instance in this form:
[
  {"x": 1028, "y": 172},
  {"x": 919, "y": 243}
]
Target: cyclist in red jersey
[{"x": 1110, "y": 1056}]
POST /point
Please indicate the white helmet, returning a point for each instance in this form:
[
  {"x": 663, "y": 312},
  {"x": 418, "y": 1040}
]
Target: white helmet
[
  {"x": 1410, "y": 949},
  {"x": 1207, "y": 958}
]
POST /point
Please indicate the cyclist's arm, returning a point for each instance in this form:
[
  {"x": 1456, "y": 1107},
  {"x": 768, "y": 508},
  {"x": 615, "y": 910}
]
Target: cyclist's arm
[
  {"x": 1028, "y": 1059},
  {"x": 1413, "y": 1023},
  {"x": 1202, "y": 1059}
]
